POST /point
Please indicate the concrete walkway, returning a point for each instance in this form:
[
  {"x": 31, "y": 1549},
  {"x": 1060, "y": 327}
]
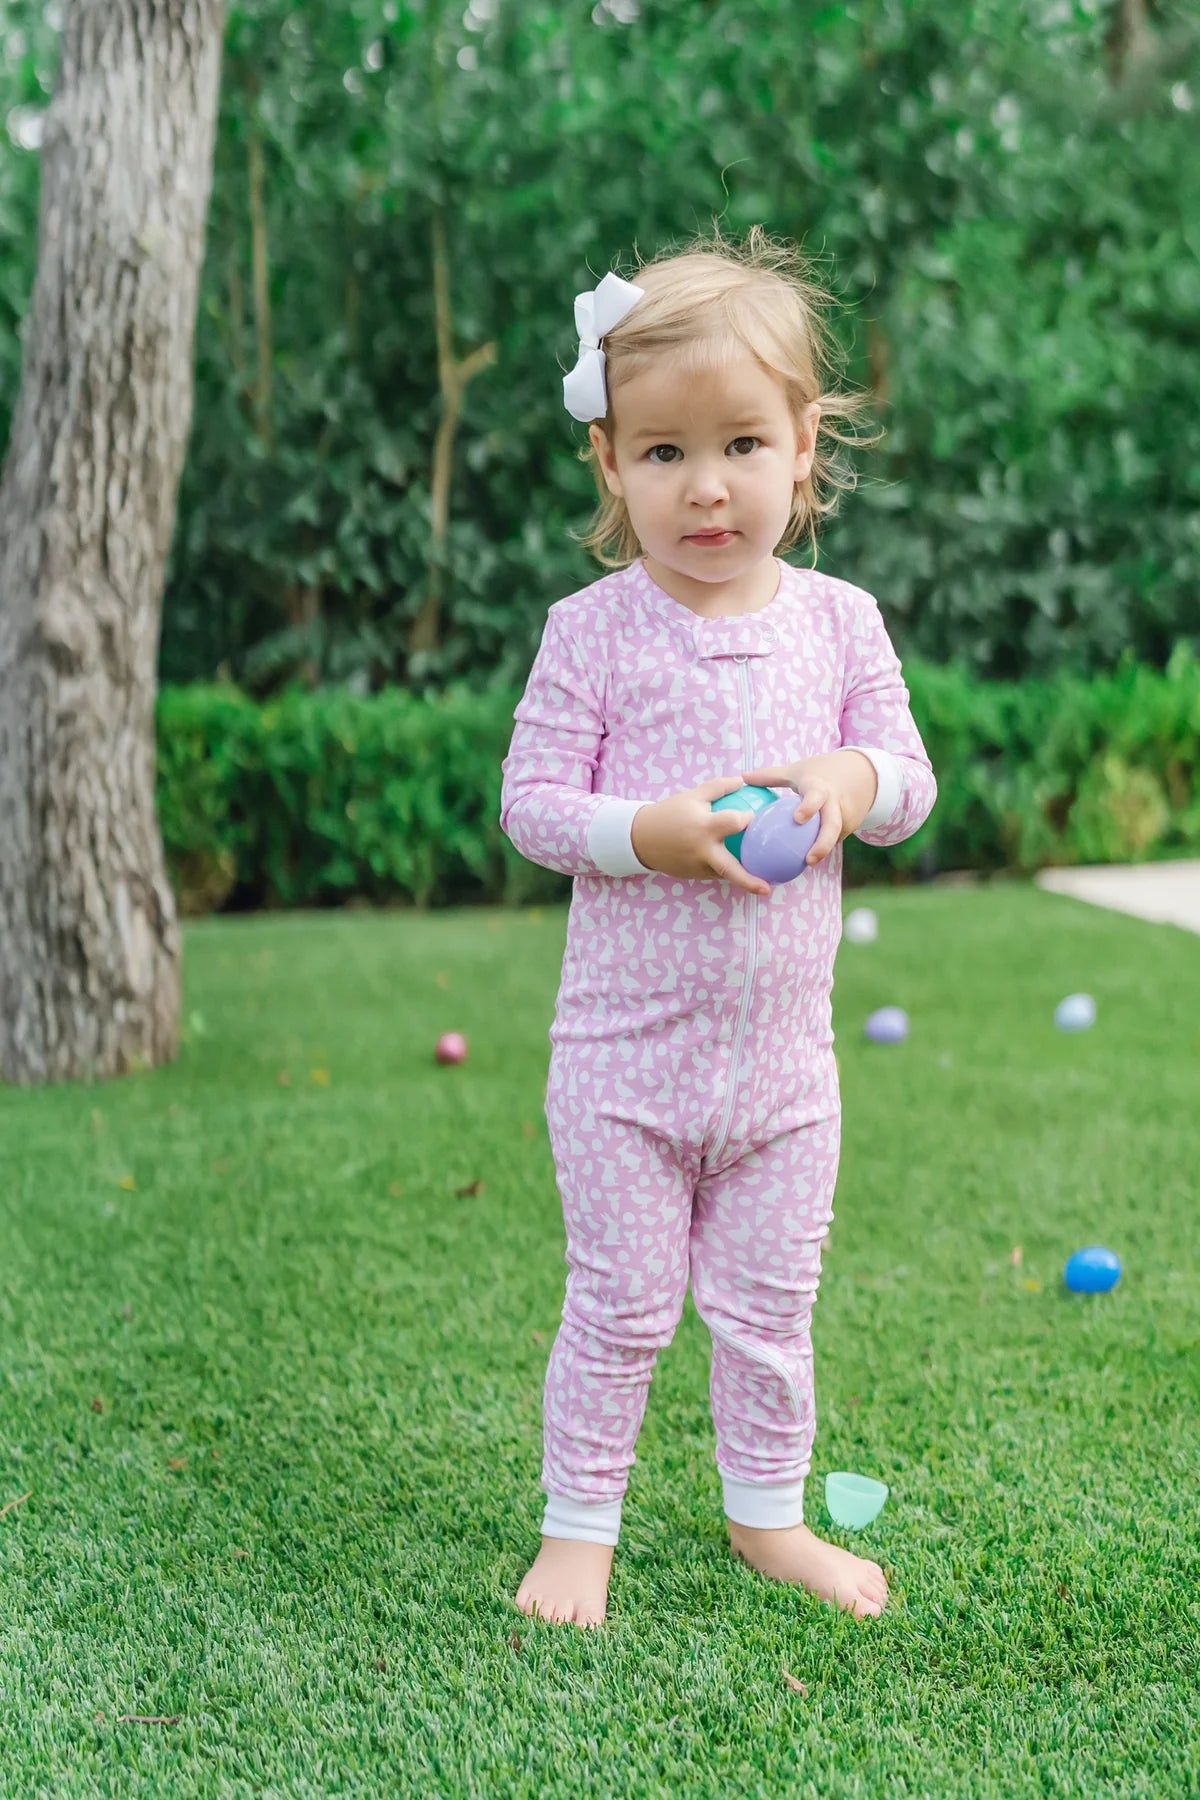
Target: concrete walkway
[{"x": 1168, "y": 893}]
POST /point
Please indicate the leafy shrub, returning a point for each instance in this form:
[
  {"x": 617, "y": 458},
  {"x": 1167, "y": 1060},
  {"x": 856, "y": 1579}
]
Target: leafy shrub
[{"x": 313, "y": 799}]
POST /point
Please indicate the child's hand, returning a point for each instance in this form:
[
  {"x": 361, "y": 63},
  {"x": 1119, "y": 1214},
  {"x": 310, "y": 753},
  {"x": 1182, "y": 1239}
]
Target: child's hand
[
  {"x": 840, "y": 786},
  {"x": 683, "y": 836}
]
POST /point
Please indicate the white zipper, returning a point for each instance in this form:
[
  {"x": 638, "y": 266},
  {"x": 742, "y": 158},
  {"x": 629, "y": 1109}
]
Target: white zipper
[
  {"x": 739, "y": 1032},
  {"x": 759, "y": 1354}
]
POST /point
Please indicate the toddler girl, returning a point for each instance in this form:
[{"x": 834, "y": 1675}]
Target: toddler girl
[{"x": 692, "y": 1098}]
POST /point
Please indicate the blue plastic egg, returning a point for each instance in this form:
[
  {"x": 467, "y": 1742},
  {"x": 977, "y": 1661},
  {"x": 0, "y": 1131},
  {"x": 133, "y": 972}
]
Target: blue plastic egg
[
  {"x": 1076, "y": 1013},
  {"x": 888, "y": 1025},
  {"x": 862, "y": 926},
  {"x": 1092, "y": 1271}
]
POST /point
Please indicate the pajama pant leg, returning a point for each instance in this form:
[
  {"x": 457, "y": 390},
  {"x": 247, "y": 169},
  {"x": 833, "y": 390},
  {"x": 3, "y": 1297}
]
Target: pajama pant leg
[
  {"x": 627, "y": 1201},
  {"x": 758, "y": 1227}
]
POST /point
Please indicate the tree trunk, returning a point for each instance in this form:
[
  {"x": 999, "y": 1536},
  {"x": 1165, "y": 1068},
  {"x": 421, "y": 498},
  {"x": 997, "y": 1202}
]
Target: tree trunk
[
  {"x": 89, "y": 943},
  {"x": 1127, "y": 38},
  {"x": 453, "y": 374}
]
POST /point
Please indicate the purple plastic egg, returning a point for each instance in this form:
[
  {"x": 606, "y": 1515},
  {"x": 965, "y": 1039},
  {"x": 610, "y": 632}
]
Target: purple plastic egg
[
  {"x": 774, "y": 846},
  {"x": 887, "y": 1025}
]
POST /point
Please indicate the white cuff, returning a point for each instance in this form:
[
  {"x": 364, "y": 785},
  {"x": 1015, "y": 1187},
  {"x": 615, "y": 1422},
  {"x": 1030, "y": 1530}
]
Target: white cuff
[
  {"x": 766, "y": 1508},
  {"x": 587, "y": 1521},
  {"x": 890, "y": 784},
  {"x": 610, "y": 838}
]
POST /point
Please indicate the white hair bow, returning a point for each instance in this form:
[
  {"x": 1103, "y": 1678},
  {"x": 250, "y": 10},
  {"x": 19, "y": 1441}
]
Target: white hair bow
[{"x": 585, "y": 395}]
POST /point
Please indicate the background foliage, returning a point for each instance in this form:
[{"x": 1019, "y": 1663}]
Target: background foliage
[
  {"x": 1003, "y": 195},
  {"x": 394, "y": 798}
]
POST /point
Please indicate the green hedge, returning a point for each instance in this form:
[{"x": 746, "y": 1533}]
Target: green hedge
[{"x": 317, "y": 798}]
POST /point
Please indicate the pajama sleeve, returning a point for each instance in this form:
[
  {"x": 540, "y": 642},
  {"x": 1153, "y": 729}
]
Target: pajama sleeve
[
  {"x": 547, "y": 806},
  {"x": 877, "y": 722}
]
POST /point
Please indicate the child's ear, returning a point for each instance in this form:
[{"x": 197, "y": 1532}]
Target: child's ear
[
  {"x": 604, "y": 455},
  {"x": 806, "y": 440}
]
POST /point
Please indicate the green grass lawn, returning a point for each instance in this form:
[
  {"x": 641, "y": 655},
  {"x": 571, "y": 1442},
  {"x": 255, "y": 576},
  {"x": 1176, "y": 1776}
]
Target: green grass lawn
[{"x": 273, "y": 1328}]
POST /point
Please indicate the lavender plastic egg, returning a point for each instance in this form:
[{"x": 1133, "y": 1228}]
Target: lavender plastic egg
[
  {"x": 888, "y": 1025},
  {"x": 774, "y": 847}
]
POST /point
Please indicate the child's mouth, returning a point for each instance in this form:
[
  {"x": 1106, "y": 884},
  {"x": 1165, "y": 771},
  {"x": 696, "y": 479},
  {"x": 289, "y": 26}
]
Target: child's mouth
[{"x": 710, "y": 537}]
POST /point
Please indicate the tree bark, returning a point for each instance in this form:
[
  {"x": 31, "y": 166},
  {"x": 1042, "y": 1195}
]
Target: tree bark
[
  {"x": 262, "y": 281},
  {"x": 89, "y": 942},
  {"x": 453, "y": 375},
  {"x": 1127, "y": 39}
]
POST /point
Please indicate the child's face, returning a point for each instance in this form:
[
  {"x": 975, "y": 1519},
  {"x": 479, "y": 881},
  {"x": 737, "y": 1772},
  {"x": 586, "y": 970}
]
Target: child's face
[{"x": 707, "y": 463}]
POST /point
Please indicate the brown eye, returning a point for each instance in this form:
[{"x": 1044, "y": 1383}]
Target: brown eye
[
  {"x": 670, "y": 452},
  {"x": 744, "y": 446}
]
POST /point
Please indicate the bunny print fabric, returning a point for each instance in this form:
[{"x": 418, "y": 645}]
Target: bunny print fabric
[{"x": 692, "y": 1098}]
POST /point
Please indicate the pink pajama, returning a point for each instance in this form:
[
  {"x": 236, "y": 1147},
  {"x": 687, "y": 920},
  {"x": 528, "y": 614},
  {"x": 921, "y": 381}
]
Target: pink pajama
[{"x": 693, "y": 1095}]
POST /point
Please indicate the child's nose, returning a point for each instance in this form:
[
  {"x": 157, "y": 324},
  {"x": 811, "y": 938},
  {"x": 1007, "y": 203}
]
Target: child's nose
[{"x": 708, "y": 484}]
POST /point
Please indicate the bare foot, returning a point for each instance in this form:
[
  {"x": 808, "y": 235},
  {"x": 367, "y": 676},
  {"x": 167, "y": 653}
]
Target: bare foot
[
  {"x": 794, "y": 1554},
  {"x": 568, "y": 1582}
]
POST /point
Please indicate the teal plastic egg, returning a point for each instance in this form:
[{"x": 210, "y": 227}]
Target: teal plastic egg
[
  {"x": 853, "y": 1500},
  {"x": 744, "y": 799}
]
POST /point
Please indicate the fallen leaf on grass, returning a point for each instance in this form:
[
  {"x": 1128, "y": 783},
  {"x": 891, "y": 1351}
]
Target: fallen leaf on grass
[
  {"x": 515, "y": 1641},
  {"x": 127, "y": 1182},
  {"x": 284, "y": 1078},
  {"x": 148, "y": 1718},
  {"x": 1032, "y": 1287},
  {"x": 241, "y": 1553},
  {"x": 178, "y": 1462},
  {"x": 469, "y": 1192},
  {"x": 220, "y": 1168},
  {"x": 321, "y": 1077},
  {"x": 442, "y": 981},
  {"x": 539, "y": 1337},
  {"x": 18, "y": 1502},
  {"x": 395, "y": 1190},
  {"x": 797, "y": 1686},
  {"x": 854, "y": 1400},
  {"x": 97, "y": 1404},
  {"x": 529, "y": 1128},
  {"x": 1016, "y": 1256}
]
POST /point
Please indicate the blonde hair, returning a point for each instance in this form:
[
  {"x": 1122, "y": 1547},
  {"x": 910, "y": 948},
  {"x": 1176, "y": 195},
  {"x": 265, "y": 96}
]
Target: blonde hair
[{"x": 703, "y": 303}]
